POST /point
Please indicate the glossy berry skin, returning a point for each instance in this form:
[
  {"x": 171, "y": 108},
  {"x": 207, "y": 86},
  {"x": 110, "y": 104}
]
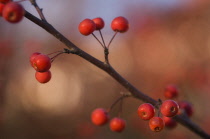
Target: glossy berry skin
[
  {"x": 171, "y": 92},
  {"x": 1, "y": 8},
  {"x": 120, "y": 24},
  {"x": 43, "y": 77},
  {"x": 99, "y": 23},
  {"x": 169, "y": 122},
  {"x": 41, "y": 63},
  {"x": 99, "y": 117},
  {"x": 146, "y": 111},
  {"x": 169, "y": 108},
  {"x": 117, "y": 124},
  {"x": 86, "y": 27},
  {"x": 32, "y": 57},
  {"x": 13, "y": 12},
  {"x": 186, "y": 107},
  {"x": 5, "y": 1},
  {"x": 156, "y": 124}
]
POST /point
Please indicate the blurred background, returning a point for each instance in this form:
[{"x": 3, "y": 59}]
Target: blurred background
[{"x": 167, "y": 43}]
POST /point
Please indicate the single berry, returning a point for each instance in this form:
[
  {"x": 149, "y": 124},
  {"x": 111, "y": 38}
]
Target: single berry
[
  {"x": 99, "y": 116},
  {"x": 169, "y": 108},
  {"x": 99, "y": 23},
  {"x": 41, "y": 63},
  {"x": 5, "y": 1},
  {"x": 171, "y": 92},
  {"x": 146, "y": 111},
  {"x": 1, "y": 8},
  {"x": 156, "y": 124},
  {"x": 186, "y": 107},
  {"x": 169, "y": 122},
  {"x": 32, "y": 57},
  {"x": 43, "y": 77},
  {"x": 120, "y": 24},
  {"x": 86, "y": 27},
  {"x": 117, "y": 124},
  {"x": 13, "y": 12}
]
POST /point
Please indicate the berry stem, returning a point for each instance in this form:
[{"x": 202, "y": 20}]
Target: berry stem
[
  {"x": 98, "y": 40},
  {"x": 106, "y": 54},
  {"x": 55, "y": 52},
  {"x": 102, "y": 38},
  {"x": 112, "y": 39},
  {"x": 39, "y": 10},
  {"x": 53, "y": 58},
  {"x": 121, "y": 108}
]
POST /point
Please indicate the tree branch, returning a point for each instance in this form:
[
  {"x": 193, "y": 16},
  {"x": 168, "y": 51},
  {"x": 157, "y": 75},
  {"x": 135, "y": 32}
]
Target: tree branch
[{"x": 108, "y": 69}]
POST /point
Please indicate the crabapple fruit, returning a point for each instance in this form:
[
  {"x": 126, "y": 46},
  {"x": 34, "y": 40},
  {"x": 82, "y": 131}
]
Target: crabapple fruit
[
  {"x": 171, "y": 92},
  {"x": 146, "y": 111},
  {"x": 99, "y": 23},
  {"x": 86, "y": 27},
  {"x": 117, "y": 124},
  {"x": 169, "y": 108},
  {"x": 156, "y": 124},
  {"x": 169, "y": 122},
  {"x": 1, "y": 8},
  {"x": 43, "y": 77},
  {"x": 120, "y": 24},
  {"x": 186, "y": 107},
  {"x": 32, "y": 57},
  {"x": 99, "y": 116},
  {"x": 13, "y": 12},
  {"x": 5, "y": 1},
  {"x": 41, "y": 63}
]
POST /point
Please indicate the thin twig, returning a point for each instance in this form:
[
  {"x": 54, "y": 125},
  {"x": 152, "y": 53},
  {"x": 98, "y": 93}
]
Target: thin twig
[
  {"x": 102, "y": 38},
  {"x": 39, "y": 10},
  {"x": 109, "y": 70}
]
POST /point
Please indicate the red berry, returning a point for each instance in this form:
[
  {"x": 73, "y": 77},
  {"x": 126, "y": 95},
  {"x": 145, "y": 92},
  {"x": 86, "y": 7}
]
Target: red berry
[
  {"x": 43, "y": 77},
  {"x": 156, "y": 124},
  {"x": 13, "y": 12},
  {"x": 5, "y": 1},
  {"x": 41, "y": 63},
  {"x": 146, "y": 111},
  {"x": 1, "y": 8},
  {"x": 186, "y": 107},
  {"x": 169, "y": 108},
  {"x": 99, "y": 116},
  {"x": 117, "y": 124},
  {"x": 169, "y": 122},
  {"x": 32, "y": 57},
  {"x": 86, "y": 27},
  {"x": 171, "y": 92},
  {"x": 99, "y": 23},
  {"x": 120, "y": 24}
]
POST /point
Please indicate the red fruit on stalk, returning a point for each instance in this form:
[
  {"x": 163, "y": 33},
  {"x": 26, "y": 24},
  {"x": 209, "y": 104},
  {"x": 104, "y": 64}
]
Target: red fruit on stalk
[
  {"x": 86, "y": 27},
  {"x": 99, "y": 23},
  {"x": 43, "y": 77},
  {"x": 1, "y": 8},
  {"x": 156, "y": 124},
  {"x": 120, "y": 24},
  {"x": 169, "y": 122},
  {"x": 13, "y": 12},
  {"x": 146, "y": 111},
  {"x": 5, "y": 1},
  {"x": 41, "y": 63},
  {"x": 99, "y": 116},
  {"x": 32, "y": 57},
  {"x": 171, "y": 92},
  {"x": 117, "y": 124},
  {"x": 186, "y": 107},
  {"x": 169, "y": 108}
]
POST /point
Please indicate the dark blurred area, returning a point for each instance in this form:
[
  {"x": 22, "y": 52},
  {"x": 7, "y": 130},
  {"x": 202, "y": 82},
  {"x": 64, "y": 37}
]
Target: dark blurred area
[{"x": 167, "y": 43}]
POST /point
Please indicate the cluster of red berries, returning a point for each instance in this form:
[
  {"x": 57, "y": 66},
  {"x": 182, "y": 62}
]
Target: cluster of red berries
[
  {"x": 88, "y": 26},
  {"x": 146, "y": 111},
  {"x": 101, "y": 116},
  {"x": 41, "y": 63},
  {"x": 12, "y": 12}
]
